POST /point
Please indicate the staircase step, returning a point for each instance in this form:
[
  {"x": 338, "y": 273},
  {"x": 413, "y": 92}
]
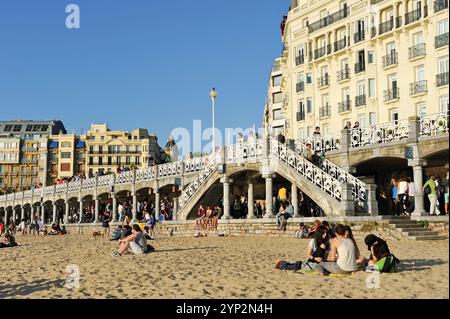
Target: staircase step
[
  {"x": 395, "y": 218},
  {"x": 421, "y": 233},
  {"x": 405, "y": 225},
  {"x": 409, "y": 229},
  {"x": 427, "y": 238}
]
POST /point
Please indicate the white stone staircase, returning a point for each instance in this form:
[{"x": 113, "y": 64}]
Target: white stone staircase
[{"x": 411, "y": 229}]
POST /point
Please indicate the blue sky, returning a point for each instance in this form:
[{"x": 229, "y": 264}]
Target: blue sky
[{"x": 138, "y": 63}]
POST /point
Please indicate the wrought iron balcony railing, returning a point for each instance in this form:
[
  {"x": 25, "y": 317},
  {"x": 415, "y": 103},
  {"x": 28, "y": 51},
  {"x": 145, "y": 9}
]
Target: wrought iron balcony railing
[
  {"x": 359, "y": 36},
  {"x": 398, "y": 22},
  {"x": 325, "y": 111},
  {"x": 418, "y": 87},
  {"x": 442, "y": 79},
  {"x": 343, "y": 74},
  {"x": 300, "y": 116},
  {"x": 413, "y": 16},
  {"x": 344, "y": 106},
  {"x": 417, "y": 50},
  {"x": 323, "y": 81},
  {"x": 360, "y": 100},
  {"x": 300, "y": 87},
  {"x": 441, "y": 40},
  {"x": 359, "y": 67},
  {"x": 386, "y": 26},
  {"x": 318, "y": 53},
  {"x": 391, "y": 94},
  {"x": 390, "y": 59},
  {"x": 340, "y": 44},
  {"x": 440, "y": 5},
  {"x": 300, "y": 59},
  {"x": 323, "y": 22}
]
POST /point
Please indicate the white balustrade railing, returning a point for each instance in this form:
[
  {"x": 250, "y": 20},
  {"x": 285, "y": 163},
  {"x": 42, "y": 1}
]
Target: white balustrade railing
[
  {"x": 38, "y": 192},
  {"x": 379, "y": 134},
  {"x": 170, "y": 169},
  {"x": 60, "y": 188},
  {"x": 146, "y": 174},
  {"x": 320, "y": 144},
  {"x": 307, "y": 169},
  {"x": 195, "y": 164},
  {"x": 74, "y": 186},
  {"x": 106, "y": 180},
  {"x": 19, "y": 195},
  {"x": 124, "y": 177},
  {"x": 244, "y": 152},
  {"x": 435, "y": 124},
  {"x": 48, "y": 190},
  {"x": 27, "y": 194},
  {"x": 210, "y": 165},
  {"x": 88, "y": 183}
]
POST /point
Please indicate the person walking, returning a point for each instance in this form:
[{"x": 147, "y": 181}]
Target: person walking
[{"x": 429, "y": 188}]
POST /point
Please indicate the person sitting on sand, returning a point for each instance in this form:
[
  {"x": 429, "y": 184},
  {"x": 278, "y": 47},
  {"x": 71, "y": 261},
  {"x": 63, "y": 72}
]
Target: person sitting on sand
[
  {"x": 148, "y": 233},
  {"x": 134, "y": 243},
  {"x": 115, "y": 234},
  {"x": 201, "y": 213},
  {"x": 317, "y": 223},
  {"x": 380, "y": 258},
  {"x": 349, "y": 235},
  {"x": 208, "y": 217},
  {"x": 125, "y": 232},
  {"x": 317, "y": 252},
  {"x": 302, "y": 231},
  {"x": 8, "y": 241},
  {"x": 329, "y": 229},
  {"x": 344, "y": 248},
  {"x": 55, "y": 230},
  {"x": 282, "y": 216}
]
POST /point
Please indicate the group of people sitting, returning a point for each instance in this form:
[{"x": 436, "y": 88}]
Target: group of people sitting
[
  {"x": 209, "y": 218},
  {"x": 337, "y": 253},
  {"x": 131, "y": 240},
  {"x": 8, "y": 240}
]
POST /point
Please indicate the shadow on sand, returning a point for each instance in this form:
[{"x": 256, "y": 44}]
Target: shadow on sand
[
  {"x": 182, "y": 249},
  {"x": 419, "y": 264},
  {"x": 24, "y": 289}
]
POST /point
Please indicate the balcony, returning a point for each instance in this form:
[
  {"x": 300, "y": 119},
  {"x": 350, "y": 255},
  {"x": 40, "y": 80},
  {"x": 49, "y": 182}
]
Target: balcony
[
  {"x": 323, "y": 81},
  {"x": 360, "y": 100},
  {"x": 323, "y": 22},
  {"x": 300, "y": 116},
  {"x": 440, "y": 5},
  {"x": 390, "y": 59},
  {"x": 299, "y": 60},
  {"x": 300, "y": 87},
  {"x": 442, "y": 79},
  {"x": 398, "y": 22},
  {"x": 343, "y": 74},
  {"x": 391, "y": 94},
  {"x": 318, "y": 53},
  {"x": 441, "y": 40},
  {"x": 344, "y": 106},
  {"x": 413, "y": 16},
  {"x": 373, "y": 32},
  {"x": 360, "y": 67},
  {"x": 359, "y": 36},
  {"x": 329, "y": 49},
  {"x": 418, "y": 87},
  {"x": 417, "y": 51},
  {"x": 325, "y": 111},
  {"x": 341, "y": 44},
  {"x": 386, "y": 26}
]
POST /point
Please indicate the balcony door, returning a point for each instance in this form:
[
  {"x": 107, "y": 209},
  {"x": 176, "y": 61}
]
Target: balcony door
[
  {"x": 392, "y": 84},
  {"x": 361, "y": 57},
  {"x": 345, "y": 94},
  {"x": 418, "y": 38},
  {"x": 324, "y": 71},
  {"x": 360, "y": 26},
  {"x": 442, "y": 27},
  {"x": 390, "y": 48},
  {"x": 420, "y": 73},
  {"x": 344, "y": 64},
  {"x": 443, "y": 65},
  {"x": 361, "y": 88}
]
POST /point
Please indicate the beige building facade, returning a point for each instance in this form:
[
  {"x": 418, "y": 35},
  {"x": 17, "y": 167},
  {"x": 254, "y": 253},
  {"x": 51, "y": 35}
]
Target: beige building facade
[{"x": 371, "y": 61}]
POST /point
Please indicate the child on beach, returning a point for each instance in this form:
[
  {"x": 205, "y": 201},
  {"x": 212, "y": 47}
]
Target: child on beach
[{"x": 105, "y": 219}]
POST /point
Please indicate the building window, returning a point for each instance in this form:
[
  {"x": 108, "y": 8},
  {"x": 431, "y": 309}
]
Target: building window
[
  {"x": 65, "y": 167},
  {"x": 301, "y": 133},
  {"x": 100, "y": 161},
  {"x": 362, "y": 120},
  {"x": 277, "y": 97},
  {"x": 309, "y": 131},
  {"x": 393, "y": 115},
  {"x": 309, "y": 105},
  {"x": 65, "y": 155},
  {"x": 371, "y": 87},
  {"x": 119, "y": 160},
  {"x": 100, "y": 149},
  {"x": 137, "y": 160},
  {"x": 127, "y": 160},
  {"x": 421, "y": 109},
  {"x": 309, "y": 78},
  {"x": 66, "y": 144},
  {"x": 277, "y": 115},
  {"x": 109, "y": 160},
  {"x": 370, "y": 57},
  {"x": 276, "y": 80},
  {"x": 443, "y": 103},
  {"x": 91, "y": 149}
]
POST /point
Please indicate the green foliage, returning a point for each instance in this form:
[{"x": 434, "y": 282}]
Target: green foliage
[{"x": 423, "y": 223}]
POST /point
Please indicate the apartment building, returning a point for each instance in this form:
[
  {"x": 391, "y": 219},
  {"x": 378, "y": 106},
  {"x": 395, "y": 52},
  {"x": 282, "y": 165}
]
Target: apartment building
[
  {"x": 23, "y": 152},
  {"x": 372, "y": 61},
  {"x": 106, "y": 150}
]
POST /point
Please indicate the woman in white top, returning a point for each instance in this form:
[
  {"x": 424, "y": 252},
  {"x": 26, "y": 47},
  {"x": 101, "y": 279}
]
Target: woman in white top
[
  {"x": 402, "y": 195},
  {"x": 345, "y": 249}
]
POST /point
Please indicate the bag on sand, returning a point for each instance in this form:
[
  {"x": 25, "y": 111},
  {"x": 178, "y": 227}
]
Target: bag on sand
[
  {"x": 150, "y": 248},
  {"x": 388, "y": 264}
]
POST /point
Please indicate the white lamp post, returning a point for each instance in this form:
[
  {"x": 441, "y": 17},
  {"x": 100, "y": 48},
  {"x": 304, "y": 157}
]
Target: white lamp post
[{"x": 213, "y": 95}]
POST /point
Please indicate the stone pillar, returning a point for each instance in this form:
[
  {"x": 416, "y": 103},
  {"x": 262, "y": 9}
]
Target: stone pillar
[
  {"x": 175, "y": 208},
  {"x": 226, "y": 197},
  {"x": 81, "y": 213},
  {"x": 157, "y": 205},
  {"x": 347, "y": 202},
  {"x": 66, "y": 213},
  {"x": 22, "y": 213},
  {"x": 96, "y": 203},
  {"x": 134, "y": 208},
  {"x": 14, "y": 215},
  {"x": 269, "y": 197},
  {"x": 114, "y": 208},
  {"x": 54, "y": 213},
  {"x": 39, "y": 211},
  {"x": 419, "y": 209},
  {"x": 6, "y": 217},
  {"x": 250, "y": 200},
  {"x": 372, "y": 204},
  {"x": 294, "y": 196}
]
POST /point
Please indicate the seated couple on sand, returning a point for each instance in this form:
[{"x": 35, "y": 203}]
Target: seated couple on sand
[
  {"x": 341, "y": 254},
  {"x": 8, "y": 241},
  {"x": 135, "y": 243}
]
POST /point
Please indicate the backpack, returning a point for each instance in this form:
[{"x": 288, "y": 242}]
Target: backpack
[
  {"x": 427, "y": 190},
  {"x": 388, "y": 264}
]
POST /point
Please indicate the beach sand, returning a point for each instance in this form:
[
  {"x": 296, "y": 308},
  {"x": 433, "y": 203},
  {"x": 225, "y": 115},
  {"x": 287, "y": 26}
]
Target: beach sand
[{"x": 209, "y": 267}]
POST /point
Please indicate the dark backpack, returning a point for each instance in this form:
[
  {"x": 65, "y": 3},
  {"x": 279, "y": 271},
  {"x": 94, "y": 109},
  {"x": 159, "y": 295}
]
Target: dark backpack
[
  {"x": 427, "y": 190},
  {"x": 390, "y": 264}
]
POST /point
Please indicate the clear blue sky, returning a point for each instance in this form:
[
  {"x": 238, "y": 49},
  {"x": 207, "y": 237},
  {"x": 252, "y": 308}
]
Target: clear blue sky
[{"x": 138, "y": 63}]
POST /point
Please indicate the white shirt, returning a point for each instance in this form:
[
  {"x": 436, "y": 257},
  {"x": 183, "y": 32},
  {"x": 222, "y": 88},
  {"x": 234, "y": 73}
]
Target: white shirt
[
  {"x": 402, "y": 187},
  {"x": 120, "y": 209},
  {"x": 411, "y": 189},
  {"x": 346, "y": 255}
]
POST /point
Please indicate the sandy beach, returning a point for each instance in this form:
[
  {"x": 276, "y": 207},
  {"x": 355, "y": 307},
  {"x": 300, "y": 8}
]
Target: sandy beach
[{"x": 210, "y": 267}]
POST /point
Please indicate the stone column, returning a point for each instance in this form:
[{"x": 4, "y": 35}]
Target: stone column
[
  {"x": 134, "y": 208},
  {"x": 39, "y": 211},
  {"x": 114, "y": 207},
  {"x": 96, "y": 203},
  {"x": 347, "y": 202},
  {"x": 43, "y": 214},
  {"x": 22, "y": 213},
  {"x": 14, "y": 215},
  {"x": 54, "y": 213},
  {"x": 66, "y": 213},
  {"x": 419, "y": 209},
  {"x": 157, "y": 205},
  {"x": 269, "y": 196},
  {"x": 294, "y": 196},
  {"x": 250, "y": 200},
  {"x": 226, "y": 197},
  {"x": 175, "y": 208},
  {"x": 372, "y": 204},
  {"x": 6, "y": 217},
  {"x": 81, "y": 211}
]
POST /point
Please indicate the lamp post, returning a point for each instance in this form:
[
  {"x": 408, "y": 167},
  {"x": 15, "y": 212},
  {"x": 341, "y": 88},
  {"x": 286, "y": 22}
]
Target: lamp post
[{"x": 213, "y": 95}]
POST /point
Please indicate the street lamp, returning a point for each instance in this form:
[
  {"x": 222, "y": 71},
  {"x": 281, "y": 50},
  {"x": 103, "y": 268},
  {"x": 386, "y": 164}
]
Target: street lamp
[{"x": 213, "y": 95}]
